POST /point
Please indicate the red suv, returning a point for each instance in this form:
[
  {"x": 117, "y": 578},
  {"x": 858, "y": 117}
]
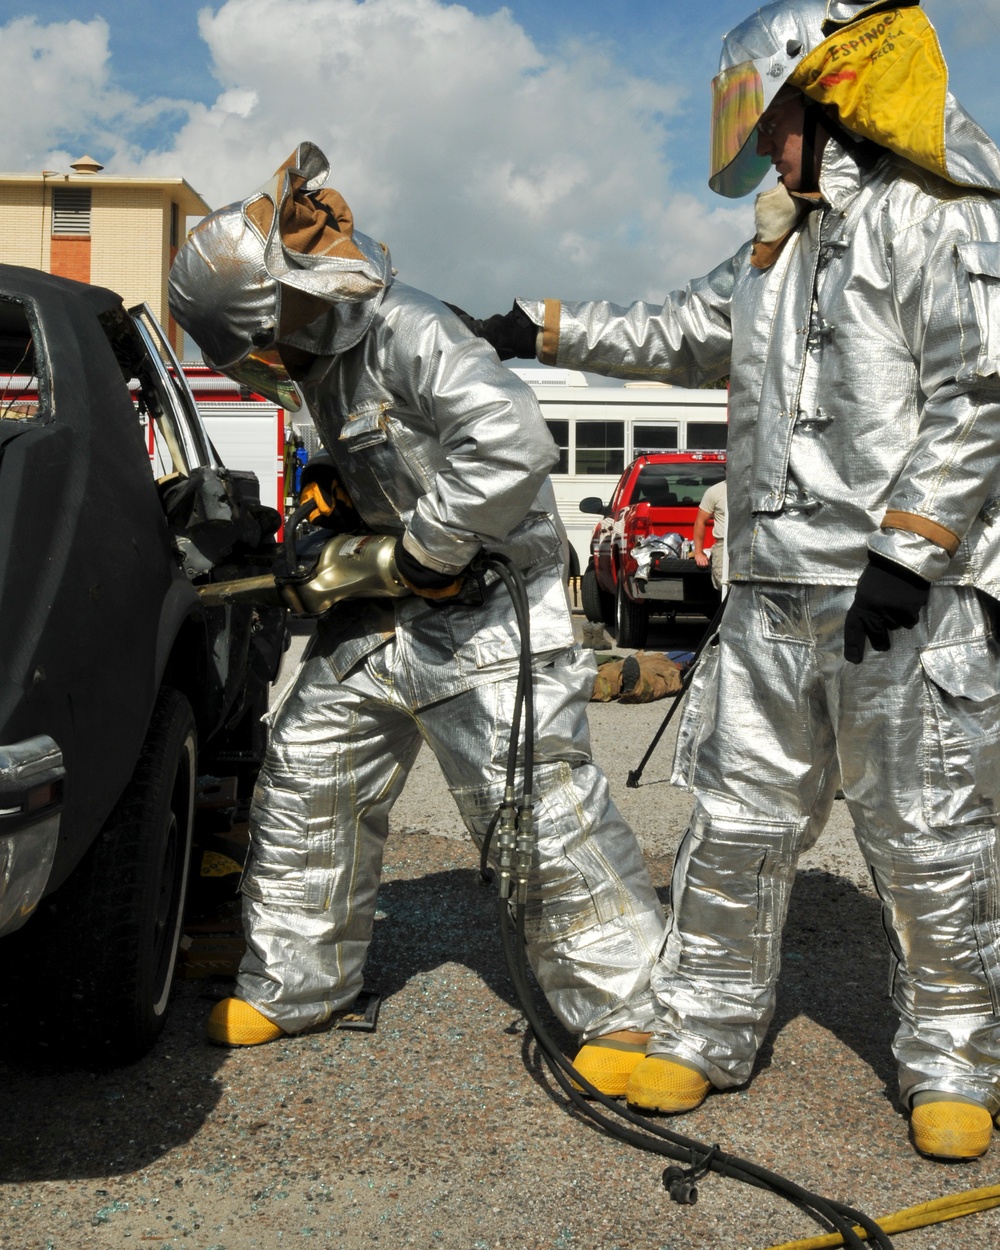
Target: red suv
[{"x": 642, "y": 548}]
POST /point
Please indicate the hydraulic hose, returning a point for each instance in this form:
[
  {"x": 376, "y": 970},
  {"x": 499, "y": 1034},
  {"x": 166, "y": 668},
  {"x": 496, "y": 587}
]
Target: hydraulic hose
[
  {"x": 926, "y": 1213},
  {"x": 289, "y": 546},
  {"x": 515, "y": 844},
  {"x": 646, "y": 1135},
  {"x": 515, "y": 822},
  {"x": 635, "y": 775}
]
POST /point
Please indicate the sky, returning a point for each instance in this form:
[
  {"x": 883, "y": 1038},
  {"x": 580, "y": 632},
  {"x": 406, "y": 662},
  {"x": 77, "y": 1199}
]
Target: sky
[{"x": 542, "y": 148}]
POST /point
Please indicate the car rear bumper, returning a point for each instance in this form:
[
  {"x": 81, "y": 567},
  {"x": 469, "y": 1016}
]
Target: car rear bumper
[
  {"x": 31, "y": 779},
  {"x": 673, "y": 582},
  {"x": 667, "y": 590}
]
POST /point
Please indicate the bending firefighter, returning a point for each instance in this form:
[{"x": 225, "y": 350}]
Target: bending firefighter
[
  {"x": 436, "y": 443},
  {"x": 859, "y": 330}
]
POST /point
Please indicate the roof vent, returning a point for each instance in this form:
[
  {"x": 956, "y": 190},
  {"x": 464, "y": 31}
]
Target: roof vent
[{"x": 87, "y": 165}]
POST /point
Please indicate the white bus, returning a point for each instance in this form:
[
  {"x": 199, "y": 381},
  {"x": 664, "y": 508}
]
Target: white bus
[{"x": 600, "y": 429}]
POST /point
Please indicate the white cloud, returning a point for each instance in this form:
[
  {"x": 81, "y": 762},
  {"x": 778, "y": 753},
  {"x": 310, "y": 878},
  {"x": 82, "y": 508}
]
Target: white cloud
[
  {"x": 489, "y": 168},
  {"x": 58, "y": 90},
  {"x": 55, "y": 83}
]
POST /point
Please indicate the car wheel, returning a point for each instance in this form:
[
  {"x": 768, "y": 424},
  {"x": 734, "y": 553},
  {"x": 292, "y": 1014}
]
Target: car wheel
[
  {"x": 598, "y": 605},
  {"x": 591, "y": 596},
  {"x": 115, "y": 925},
  {"x": 631, "y": 621}
]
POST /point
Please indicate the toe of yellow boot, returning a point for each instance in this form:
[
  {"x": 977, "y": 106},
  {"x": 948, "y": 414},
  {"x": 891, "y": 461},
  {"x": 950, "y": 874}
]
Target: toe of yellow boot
[
  {"x": 235, "y": 1023},
  {"x": 951, "y": 1130},
  {"x": 607, "y": 1063},
  {"x": 660, "y": 1084}
]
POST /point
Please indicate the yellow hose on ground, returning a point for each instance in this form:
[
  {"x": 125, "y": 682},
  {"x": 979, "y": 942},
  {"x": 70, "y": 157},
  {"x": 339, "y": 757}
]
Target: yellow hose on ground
[{"x": 935, "y": 1212}]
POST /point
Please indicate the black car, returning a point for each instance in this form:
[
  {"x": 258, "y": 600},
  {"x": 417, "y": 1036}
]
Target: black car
[{"x": 118, "y": 688}]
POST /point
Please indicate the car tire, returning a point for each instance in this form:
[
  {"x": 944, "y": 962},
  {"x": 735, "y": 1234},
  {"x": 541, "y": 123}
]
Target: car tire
[
  {"x": 114, "y": 928},
  {"x": 631, "y": 621},
  {"x": 591, "y": 597}
]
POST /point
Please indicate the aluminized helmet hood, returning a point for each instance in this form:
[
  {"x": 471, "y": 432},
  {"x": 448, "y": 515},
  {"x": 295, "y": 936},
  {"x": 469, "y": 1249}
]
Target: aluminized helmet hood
[
  {"x": 283, "y": 266},
  {"x": 901, "y": 103}
]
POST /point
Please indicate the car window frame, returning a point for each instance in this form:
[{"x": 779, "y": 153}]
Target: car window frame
[{"x": 180, "y": 422}]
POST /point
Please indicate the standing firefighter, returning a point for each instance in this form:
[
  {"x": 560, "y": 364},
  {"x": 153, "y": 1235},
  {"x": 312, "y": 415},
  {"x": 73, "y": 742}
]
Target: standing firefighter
[
  {"x": 860, "y": 331},
  {"x": 435, "y": 443}
]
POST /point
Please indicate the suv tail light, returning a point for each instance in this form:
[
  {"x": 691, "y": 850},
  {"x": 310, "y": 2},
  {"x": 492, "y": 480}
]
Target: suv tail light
[{"x": 639, "y": 524}]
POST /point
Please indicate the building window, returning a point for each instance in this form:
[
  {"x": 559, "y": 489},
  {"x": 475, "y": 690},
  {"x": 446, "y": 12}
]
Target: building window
[
  {"x": 560, "y": 435},
  {"x": 600, "y": 446},
  {"x": 175, "y": 225},
  {"x": 653, "y": 438},
  {"x": 71, "y": 210}
]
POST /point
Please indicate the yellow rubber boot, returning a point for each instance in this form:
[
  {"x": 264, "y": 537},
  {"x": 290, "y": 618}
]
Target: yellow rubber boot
[
  {"x": 607, "y": 1061},
  {"x": 945, "y": 1127},
  {"x": 666, "y": 1085},
  {"x": 235, "y": 1023}
]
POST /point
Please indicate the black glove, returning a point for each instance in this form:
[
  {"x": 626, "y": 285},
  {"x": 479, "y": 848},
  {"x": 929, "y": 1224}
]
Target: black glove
[
  {"x": 511, "y": 335},
  {"x": 888, "y": 597},
  {"x": 425, "y": 582},
  {"x": 332, "y": 507}
]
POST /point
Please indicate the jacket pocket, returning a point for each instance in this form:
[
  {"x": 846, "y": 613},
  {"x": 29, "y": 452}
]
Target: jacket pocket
[
  {"x": 366, "y": 426},
  {"x": 961, "y": 740},
  {"x": 390, "y": 465},
  {"x": 979, "y": 311}
]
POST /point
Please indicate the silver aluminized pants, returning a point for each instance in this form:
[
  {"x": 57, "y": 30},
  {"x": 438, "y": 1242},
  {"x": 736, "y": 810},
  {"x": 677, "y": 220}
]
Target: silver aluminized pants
[
  {"x": 338, "y": 756},
  {"x": 778, "y": 718}
]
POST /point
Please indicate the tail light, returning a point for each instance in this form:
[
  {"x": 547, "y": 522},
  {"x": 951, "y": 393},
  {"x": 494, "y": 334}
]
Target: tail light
[{"x": 639, "y": 524}]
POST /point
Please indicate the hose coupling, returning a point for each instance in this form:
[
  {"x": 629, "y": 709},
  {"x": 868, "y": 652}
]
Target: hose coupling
[
  {"x": 682, "y": 1183},
  {"x": 506, "y": 842},
  {"x": 524, "y": 850}
]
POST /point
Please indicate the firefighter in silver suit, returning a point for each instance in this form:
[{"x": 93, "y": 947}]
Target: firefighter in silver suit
[
  {"x": 435, "y": 442},
  {"x": 860, "y": 333}
]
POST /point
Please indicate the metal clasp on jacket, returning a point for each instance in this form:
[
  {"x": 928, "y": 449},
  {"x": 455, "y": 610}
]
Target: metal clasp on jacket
[
  {"x": 795, "y": 503},
  {"x": 832, "y": 249},
  {"x": 813, "y": 423},
  {"x": 990, "y": 511},
  {"x": 818, "y": 331}
]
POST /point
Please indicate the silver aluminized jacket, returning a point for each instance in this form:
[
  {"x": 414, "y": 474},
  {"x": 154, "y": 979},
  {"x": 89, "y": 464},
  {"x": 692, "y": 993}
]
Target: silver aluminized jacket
[
  {"x": 864, "y": 377},
  {"x": 864, "y": 416},
  {"x": 434, "y": 440}
]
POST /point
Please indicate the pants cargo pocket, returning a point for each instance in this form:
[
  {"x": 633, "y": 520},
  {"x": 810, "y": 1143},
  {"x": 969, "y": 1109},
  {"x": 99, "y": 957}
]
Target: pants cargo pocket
[{"x": 961, "y": 743}]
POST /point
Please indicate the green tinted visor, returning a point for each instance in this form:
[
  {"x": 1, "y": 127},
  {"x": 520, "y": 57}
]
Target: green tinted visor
[
  {"x": 265, "y": 372},
  {"x": 737, "y": 107}
]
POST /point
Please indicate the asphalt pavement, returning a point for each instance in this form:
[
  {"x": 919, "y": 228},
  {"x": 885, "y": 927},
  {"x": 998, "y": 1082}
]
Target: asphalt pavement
[{"x": 443, "y": 1127}]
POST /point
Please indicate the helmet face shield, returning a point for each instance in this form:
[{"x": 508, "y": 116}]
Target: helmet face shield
[
  {"x": 265, "y": 372},
  {"x": 758, "y": 58},
  {"x": 737, "y": 106}
]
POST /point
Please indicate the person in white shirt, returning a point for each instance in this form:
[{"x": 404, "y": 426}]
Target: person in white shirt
[{"x": 712, "y": 508}]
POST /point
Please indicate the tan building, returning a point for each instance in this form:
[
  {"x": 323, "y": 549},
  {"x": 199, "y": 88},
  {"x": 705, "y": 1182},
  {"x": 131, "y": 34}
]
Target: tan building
[{"x": 121, "y": 233}]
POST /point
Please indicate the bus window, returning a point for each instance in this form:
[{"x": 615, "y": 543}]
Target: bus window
[
  {"x": 653, "y": 438},
  {"x": 560, "y": 435},
  {"x": 707, "y": 436},
  {"x": 600, "y": 446}
]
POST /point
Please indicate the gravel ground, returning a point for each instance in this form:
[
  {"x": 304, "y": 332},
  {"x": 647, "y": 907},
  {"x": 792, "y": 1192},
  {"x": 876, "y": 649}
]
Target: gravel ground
[{"x": 443, "y": 1128}]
